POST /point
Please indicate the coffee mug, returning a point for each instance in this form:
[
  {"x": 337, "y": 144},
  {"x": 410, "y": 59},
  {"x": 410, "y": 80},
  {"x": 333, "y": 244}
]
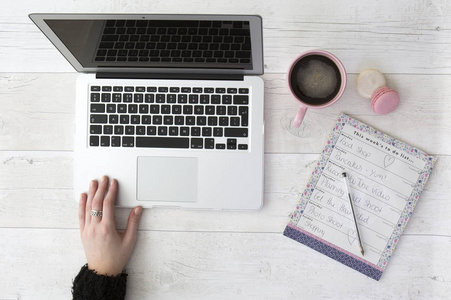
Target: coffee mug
[{"x": 316, "y": 79}]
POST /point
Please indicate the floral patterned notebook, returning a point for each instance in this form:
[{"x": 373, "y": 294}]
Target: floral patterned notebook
[{"x": 386, "y": 178}]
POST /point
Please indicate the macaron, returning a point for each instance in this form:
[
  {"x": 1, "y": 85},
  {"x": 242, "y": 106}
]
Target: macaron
[
  {"x": 384, "y": 100},
  {"x": 369, "y": 81}
]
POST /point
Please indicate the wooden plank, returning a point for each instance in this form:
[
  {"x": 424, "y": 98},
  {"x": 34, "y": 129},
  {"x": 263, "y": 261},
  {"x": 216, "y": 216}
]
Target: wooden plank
[
  {"x": 395, "y": 36},
  {"x": 32, "y": 118},
  {"x": 206, "y": 265},
  {"x": 36, "y": 192}
]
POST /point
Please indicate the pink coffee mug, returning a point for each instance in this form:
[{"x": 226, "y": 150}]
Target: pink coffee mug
[{"x": 316, "y": 79}]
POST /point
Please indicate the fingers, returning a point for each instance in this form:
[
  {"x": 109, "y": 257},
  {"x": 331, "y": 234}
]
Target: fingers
[
  {"x": 91, "y": 193},
  {"x": 82, "y": 211},
  {"x": 132, "y": 225},
  {"x": 110, "y": 200},
  {"x": 97, "y": 201}
]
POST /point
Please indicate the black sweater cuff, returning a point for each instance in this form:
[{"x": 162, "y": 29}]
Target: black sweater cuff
[{"x": 90, "y": 285}]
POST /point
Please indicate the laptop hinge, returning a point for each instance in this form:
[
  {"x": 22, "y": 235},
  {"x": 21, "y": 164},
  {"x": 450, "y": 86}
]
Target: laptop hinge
[{"x": 176, "y": 76}]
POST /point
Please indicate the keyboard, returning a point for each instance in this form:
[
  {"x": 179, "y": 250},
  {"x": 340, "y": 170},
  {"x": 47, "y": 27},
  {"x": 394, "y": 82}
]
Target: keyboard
[
  {"x": 169, "y": 117},
  {"x": 175, "y": 41}
]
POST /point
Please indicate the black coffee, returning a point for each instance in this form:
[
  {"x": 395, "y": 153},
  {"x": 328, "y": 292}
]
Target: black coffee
[{"x": 315, "y": 79}]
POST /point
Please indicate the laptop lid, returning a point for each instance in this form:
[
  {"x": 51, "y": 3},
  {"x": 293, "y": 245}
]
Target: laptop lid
[{"x": 85, "y": 40}]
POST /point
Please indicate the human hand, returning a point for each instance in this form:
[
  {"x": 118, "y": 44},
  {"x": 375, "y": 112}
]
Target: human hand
[{"x": 106, "y": 249}]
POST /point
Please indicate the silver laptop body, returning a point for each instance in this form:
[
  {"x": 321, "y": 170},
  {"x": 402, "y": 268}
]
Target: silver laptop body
[{"x": 169, "y": 105}]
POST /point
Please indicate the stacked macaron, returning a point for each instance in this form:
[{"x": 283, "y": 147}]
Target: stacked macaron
[{"x": 371, "y": 84}]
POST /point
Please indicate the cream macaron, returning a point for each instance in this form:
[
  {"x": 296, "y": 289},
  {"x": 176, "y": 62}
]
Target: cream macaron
[{"x": 371, "y": 84}]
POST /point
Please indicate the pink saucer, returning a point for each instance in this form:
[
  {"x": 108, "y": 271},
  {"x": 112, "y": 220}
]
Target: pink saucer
[{"x": 384, "y": 100}]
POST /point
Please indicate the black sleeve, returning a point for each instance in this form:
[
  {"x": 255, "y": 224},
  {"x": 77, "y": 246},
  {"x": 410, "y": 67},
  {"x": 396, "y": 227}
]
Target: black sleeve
[{"x": 90, "y": 285}]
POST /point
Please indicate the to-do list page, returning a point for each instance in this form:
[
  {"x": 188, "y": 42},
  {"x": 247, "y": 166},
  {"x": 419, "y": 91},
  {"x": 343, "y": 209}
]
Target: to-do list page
[{"x": 386, "y": 178}]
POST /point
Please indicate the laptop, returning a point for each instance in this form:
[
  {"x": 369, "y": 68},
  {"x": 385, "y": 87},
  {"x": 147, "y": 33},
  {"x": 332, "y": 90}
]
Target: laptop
[{"x": 169, "y": 105}]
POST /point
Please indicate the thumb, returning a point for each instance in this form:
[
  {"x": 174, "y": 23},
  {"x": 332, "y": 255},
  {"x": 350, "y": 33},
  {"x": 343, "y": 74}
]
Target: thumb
[{"x": 132, "y": 224}]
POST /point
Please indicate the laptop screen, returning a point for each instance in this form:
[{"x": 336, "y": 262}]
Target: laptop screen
[{"x": 154, "y": 42}]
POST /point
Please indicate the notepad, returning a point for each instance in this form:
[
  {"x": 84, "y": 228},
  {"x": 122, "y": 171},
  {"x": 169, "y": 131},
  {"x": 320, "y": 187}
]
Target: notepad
[{"x": 386, "y": 178}]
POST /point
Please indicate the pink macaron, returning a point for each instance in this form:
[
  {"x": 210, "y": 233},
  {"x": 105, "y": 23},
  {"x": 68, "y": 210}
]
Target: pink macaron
[{"x": 384, "y": 100}]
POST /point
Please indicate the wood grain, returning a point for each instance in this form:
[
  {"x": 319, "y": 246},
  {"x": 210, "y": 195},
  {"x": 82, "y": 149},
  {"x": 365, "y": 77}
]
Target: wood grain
[{"x": 230, "y": 255}]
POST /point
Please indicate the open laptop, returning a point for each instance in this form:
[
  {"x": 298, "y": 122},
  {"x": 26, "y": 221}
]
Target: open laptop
[{"x": 169, "y": 105}]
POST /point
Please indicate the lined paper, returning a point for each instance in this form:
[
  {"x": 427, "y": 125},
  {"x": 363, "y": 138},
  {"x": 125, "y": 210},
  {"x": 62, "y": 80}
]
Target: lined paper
[{"x": 386, "y": 177}]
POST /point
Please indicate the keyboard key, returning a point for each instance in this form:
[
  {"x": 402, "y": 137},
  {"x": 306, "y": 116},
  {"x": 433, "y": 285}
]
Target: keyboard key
[
  {"x": 95, "y": 97},
  {"x": 98, "y": 108},
  {"x": 102, "y": 119},
  {"x": 162, "y": 142},
  {"x": 105, "y": 141},
  {"x": 115, "y": 141},
  {"x": 231, "y": 144},
  {"x": 94, "y": 140},
  {"x": 209, "y": 143},
  {"x": 236, "y": 132},
  {"x": 128, "y": 141},
  {"x": 240, "y": 99},
  {"x": 197, "y": 143},
  {"x": 95, "y": 129}
]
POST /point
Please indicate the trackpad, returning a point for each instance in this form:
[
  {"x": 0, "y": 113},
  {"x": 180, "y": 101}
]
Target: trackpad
[{"x": 172, "y": 179}]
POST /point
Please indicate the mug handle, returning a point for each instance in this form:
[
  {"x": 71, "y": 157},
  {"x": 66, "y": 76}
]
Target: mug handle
[{"x": 299, "y": 116}]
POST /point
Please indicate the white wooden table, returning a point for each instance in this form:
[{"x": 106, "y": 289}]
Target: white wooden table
[{"x": 227, "y": 255}]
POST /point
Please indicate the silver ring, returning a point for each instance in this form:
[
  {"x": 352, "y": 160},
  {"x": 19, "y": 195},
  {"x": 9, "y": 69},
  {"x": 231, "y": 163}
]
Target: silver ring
[{"x": 96, "y": 213}]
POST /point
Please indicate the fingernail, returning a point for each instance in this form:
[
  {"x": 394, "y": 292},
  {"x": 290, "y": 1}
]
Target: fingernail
[{"x": 138, "y": 210}]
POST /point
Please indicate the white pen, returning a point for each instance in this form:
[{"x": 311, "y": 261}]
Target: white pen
[{"x": 348, "y": 189}]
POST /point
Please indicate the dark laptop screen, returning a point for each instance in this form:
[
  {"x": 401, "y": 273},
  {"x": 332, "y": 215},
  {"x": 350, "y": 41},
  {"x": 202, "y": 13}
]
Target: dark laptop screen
[{"x": 198, "y": 44}]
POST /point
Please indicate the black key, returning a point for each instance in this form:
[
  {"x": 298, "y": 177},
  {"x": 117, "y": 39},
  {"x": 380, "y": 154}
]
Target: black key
[
  {"x": 184, "y": 131},
  {"x": 206, "y": 131},
  {"x": 98, "y": 108},
  {"x": 95, "y": 129},
  {"x": 197, "y": 143},
  {"x": 105, "y": 141},
  {"x": 220, "y": 146},
  {"x": 106, "y": 97},
  {"x": 244, "y": 90},
  {"x": 242, "y": 146},
  {"x": 118, "y": 129},
  {"x": 111, "y": 108},
  {"x": 129, "y": 130},
  {"x": 108, "y": 129},
  {"x": 116, "y": 141},
  {"x": 140, "y": 130},
  {"x": 133, "y": 108},
  {"x": 236, "y": 132},
  {"x": 209, "y": 143},
  {"x": 234, "y": 121},
  {"x": 151, "y": 130},
  {"x": 162, "y": 142},
  {"x": 95, "y": 88},
  {"x": 101, "y": 119},
  {"x": 240, "y": 99},
  {"x": 231, "y": 144},
  {"x": 113, "y": 119},
  {"x": 218, "y": 131},
  {"x": 94, "y": 140},
  {"x": 128, "y": 98},
  {"x": 162, "y": 130},
  {"x": 244, "y": 112},
  {"x": 122, "y": 108},
  {"x": 95, "y": 97},
  {"x": 128, "y": 141},
  {"x": 174, "y": 131},
  {"x": 124, "y": 119}
]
